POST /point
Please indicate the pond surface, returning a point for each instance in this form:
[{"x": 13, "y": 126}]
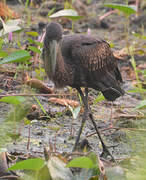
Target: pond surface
[{"x": 135, "y": 165}]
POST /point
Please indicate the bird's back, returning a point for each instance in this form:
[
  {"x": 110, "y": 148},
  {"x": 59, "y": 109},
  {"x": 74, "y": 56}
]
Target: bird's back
[{"x": 92, "y": 64}]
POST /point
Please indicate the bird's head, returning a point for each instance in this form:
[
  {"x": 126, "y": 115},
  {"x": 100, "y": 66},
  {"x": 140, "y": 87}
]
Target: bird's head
[
  {"x": 51, "y": 45},
  {"x": 54, "y": 31}
]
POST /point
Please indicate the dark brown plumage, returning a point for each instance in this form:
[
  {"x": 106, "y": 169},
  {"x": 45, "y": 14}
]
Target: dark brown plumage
[{"x": 81, "y": 61}]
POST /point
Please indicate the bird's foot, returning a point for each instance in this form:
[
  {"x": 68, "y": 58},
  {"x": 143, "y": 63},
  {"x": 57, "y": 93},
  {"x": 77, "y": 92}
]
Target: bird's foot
[{"x": 105, "y": 153}]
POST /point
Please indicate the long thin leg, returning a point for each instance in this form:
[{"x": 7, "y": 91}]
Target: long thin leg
[
  {"x": 85, "y": 115},
  {"x": 87, "y": 112},
  {"x": 111, "y": 114},
  {"x": 105, "y": 151}
]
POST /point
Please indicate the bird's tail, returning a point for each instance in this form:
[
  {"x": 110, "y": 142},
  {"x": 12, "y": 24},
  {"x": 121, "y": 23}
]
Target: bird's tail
[
  {"x": 112, "y": 94},
  {"x": 110, "y": 86}
]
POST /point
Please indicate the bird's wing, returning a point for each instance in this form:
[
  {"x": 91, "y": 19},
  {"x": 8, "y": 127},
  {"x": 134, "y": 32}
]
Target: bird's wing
[
  {"x": 93, "y": 55},
  {"x": 97, "y": 67}
]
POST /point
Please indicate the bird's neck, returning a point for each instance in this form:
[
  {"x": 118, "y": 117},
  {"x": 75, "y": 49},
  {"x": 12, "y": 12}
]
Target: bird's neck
[
  {"x": 61, "y": 75},
  {"x": 60, "y": 61}
]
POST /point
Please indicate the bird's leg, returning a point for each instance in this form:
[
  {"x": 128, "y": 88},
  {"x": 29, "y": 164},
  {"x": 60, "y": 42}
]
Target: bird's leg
[
  {"x": 111, "y": 114},
  {"x": 87, "y": 112},
  {"x": 105, "y": 151},
  {"x": 85, "y": 116}
]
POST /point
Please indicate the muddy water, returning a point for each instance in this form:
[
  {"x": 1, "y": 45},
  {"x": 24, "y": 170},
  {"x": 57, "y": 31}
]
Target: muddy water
[{"x": 135, "y": 165}]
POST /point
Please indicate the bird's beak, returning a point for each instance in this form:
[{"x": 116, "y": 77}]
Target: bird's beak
[{"x": 53, "y": 46}]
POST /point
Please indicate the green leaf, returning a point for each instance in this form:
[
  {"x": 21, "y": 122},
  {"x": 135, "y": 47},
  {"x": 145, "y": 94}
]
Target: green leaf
[
  {"x": 141, "y": 105},
  {"x": 32, "y": 33},
  {"x": 35, "y": 42},
  {"x": 69, "y": 13},
  {"x": 34, "y": 49},
  {"x": 1, "y": 43},
  {"x": 93, "y": 157},
  {"x": 99, "y": 98},
  {"x": 143, "y": 37},
  {"x": 95, "y": 161},
  {"x": 75, "y": 111},
  {"x": 137, "y": 90},
  {"x": 143, "y": 72},
  {"x": 17, "y": 56},
  {"x": 29, "y": 164},
  {"x": 16, "y": 100},
  {"x": 51, "y": 11},
  {"x": 39, "y": 103},
  {"x": 26, "y": 122},
  {"x": 3, "y": 54},
  {"x": 127, "y": 10},
  {"x": 18, "y": 112},
  {"x": 81, "y": 162},
  {"x": 112, "y": 45},
  {"x": 42, "y": 174},
  {"x": 3, "y": 150}
]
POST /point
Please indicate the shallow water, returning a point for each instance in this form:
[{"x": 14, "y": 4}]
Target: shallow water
[{"x": 135, "y": 166}]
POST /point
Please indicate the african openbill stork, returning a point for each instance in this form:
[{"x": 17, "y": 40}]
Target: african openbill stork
[{"x": 79, "y": 60}]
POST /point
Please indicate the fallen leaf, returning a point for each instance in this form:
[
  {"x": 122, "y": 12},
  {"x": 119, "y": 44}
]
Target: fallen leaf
[
  {"x": 7, "y": 71},
  {"x": 6, "y": 12},
  {"x": 64, "y": 102},
  {"x": 141, "y": 66},
  {"x": 120, "y": 54},
  {"x": 39, "y": 85},
  {"x": 130, "y": 74}
]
